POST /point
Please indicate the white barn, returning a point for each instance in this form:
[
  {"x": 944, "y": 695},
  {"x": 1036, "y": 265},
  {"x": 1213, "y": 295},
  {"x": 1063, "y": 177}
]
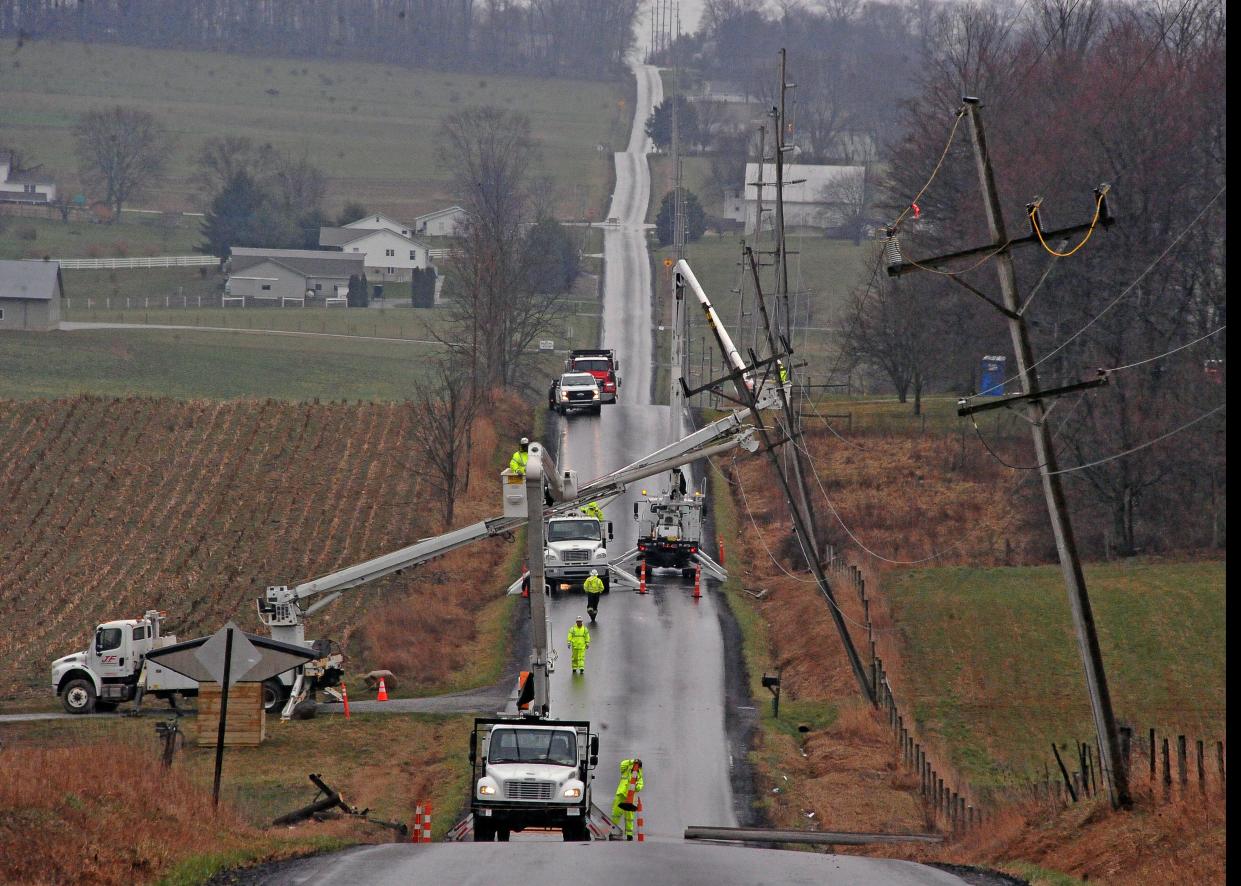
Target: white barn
[
  {"x": 814, "y": 196},
  {"x": 388, "y": 254},
  {"x": 441, "y": 223}
]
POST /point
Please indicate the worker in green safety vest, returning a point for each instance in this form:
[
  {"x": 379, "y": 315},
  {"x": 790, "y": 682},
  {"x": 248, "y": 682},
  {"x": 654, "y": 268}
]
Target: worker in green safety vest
[
  {"x": 593, "y": 586},
  {"x": 517, "y": 464}
]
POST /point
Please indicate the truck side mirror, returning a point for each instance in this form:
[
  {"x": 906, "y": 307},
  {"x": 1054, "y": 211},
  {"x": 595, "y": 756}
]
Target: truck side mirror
[
  {"x": 594, "y": 760},
  {"x": 594, "y": 747},
  {"x": 635, "y": 510},
  {"x": 609, "y": 530}
]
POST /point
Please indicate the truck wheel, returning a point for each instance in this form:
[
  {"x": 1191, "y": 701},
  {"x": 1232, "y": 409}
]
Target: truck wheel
[
  {"x": 502, "y": 834},
  {"x": 78, "y": 696},
  {"x": 596, "y": 409},
  {"x": 273, "y": 695},
  {"x": 484, "y": 831},
  {"x": 575, "y": 833}
]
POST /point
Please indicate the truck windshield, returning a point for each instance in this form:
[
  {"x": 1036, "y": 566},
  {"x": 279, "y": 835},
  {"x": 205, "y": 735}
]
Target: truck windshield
[
  {"x": 591, "y": 365},
  {"x": 568, "y": 530},
  {"x": 576, "y": 380},
  {"x": 554, "y": 746}
]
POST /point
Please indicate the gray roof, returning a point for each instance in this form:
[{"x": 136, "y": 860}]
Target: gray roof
[
  {"x": 28, "y": 279},
  {"x": 446, "y": 211},
  {"x": 307, "y": 262},
  {"x": 29, "y": 178}
]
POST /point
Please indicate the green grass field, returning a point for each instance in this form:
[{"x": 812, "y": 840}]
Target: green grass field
[
  {"x": 371, "y": 127},
  {"x": 79, "y": 239},
  {"x": 999, "y": 677}
]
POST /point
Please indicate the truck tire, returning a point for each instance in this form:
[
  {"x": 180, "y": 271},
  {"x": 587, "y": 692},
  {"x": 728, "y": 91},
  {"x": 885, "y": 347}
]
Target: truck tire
[
  {"x": 687, "y": 573},
  {"x": 273, "y": 695},
  {"x": 484, "y": 831},
  {"x": 502, "y": 834},
  {"x": 78, "y": 696}
]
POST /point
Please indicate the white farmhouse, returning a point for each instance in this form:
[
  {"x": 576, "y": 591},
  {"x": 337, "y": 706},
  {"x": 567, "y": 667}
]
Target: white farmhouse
[
  {"x": 24, "y": 187},
  {"x": 823, "y": 197},
  {"x": 389, "y": 254},
  {"x": 377, "y": 222},
  {"x": 280, "y": 275},
  {"x": 441, "y": 222}
]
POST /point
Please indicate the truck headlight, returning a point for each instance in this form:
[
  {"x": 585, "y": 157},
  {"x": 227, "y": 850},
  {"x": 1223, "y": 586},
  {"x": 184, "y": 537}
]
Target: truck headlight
[
  {"x": 486, "y": 790},
  {"x": 595, "y": 394},
  {"x": 551, "y": 555},
  {"x": 572, "y": 793},
  {"x": 564, "y": 395}
]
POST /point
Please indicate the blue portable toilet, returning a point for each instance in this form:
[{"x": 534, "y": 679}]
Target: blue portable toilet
[{"x": 991, "y": 381}]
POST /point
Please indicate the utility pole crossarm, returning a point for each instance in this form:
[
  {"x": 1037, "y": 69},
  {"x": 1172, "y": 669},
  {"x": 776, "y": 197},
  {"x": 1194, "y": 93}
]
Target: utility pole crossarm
[{"x": 1047, "y": 394}]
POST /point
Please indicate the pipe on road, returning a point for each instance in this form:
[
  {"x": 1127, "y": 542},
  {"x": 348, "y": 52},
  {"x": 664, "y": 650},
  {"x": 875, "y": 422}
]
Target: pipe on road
[{"x": 832, "y": 838}]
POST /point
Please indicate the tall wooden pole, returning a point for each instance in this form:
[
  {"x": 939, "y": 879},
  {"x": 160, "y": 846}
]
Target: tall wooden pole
[{"x": 1114, "y": 774}]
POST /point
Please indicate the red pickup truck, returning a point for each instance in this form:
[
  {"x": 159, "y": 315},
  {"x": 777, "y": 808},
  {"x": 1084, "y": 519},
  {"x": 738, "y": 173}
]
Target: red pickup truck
[{"x": 602, "y": 365}]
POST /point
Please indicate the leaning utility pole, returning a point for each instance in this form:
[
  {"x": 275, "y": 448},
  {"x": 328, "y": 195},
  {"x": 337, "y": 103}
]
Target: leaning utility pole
[{"x": 1114, "y": 774}]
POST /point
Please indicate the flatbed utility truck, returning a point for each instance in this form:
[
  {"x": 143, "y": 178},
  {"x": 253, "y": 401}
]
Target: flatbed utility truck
[{"x": 670, "y": 526}]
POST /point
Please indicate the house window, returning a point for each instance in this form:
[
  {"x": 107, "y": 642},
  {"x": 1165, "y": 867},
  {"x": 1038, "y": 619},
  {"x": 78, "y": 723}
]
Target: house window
[
  {"x": 389, "y": 252},
  {"x": 318, "y": 287},
  {"x": 1, "y": 313},
  {"x": 413, "y": 255},
  {"x": 30, "y": 189},
  {"x": 266, "y": 287},
  {"x": 391, "y": 270}
]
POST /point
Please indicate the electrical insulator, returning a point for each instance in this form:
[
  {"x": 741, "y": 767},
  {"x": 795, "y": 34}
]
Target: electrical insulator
[{"x": 892, "y": 253}]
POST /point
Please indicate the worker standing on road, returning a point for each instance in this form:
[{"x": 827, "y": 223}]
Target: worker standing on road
[
  {"x": 625, "y": 803},
  {"x": 593, "y": 586},
  {"x": 593, "y": 510},
  {"x": 579, "y": 642},
  {"x": 517, "y": 464}
]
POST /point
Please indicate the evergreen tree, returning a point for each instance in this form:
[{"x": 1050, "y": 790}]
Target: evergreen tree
[
  {"x": 695, "y": 218},
  {"x": 235, "y": 217},
  {"x": 659, "y": 124}
]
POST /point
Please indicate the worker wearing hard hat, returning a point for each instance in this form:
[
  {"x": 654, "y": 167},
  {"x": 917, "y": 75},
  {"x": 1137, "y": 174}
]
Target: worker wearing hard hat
[
  {"x": 579, "y": 642},
  {"x": 593, "y": 510},
  {"x": 517, "y": 464},
  {"x": 593, "y": 586},
  {"x": 625, "y": 802}
]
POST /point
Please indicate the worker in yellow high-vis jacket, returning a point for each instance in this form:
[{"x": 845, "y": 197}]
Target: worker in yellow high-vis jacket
[
  {"x": 624, "y": 806},
  {"x": 579, "y": 642}
]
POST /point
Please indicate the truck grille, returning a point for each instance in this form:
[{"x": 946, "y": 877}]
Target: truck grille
[
  {"x": 576, "y": 556},
  {"x": 528, "y": 790}
]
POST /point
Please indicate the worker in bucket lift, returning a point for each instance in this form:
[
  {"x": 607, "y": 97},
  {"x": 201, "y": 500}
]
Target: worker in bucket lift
[
  {"x": 593, "y": 586},
  {"x": 593, "y": 510},
  {"x": 517, "y": 464},
  {"x": 784, "y": 372},
  {"x": 623, "y": 804},
  {"x": 579, "y": 642}
]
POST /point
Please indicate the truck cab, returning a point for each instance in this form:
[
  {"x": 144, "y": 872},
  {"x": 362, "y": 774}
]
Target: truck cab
[
  {"x": 575, "y": 544},
  {"x": 531, "y": 774},
  {"x": 110, "y": 670},
  {"x": 602, "y": 364}
]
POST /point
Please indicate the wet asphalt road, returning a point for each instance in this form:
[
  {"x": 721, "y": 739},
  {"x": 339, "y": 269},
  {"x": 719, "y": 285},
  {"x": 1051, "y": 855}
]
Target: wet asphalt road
[{"x": 654, "y": 685}]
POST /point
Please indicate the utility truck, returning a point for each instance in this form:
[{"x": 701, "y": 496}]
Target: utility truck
[
  {"x": 670, "y": 526},
  {"x": 602, "y": 364},
  {"x": 114, "y": 669},
  {"x": 576, "y": 544},
  {"x": 575, "y": 391}
]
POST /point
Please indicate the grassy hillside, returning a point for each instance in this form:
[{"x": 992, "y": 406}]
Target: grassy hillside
[
  {"x": 998, "y": 672},
  {"x": 371, "y": 127},
  {"x": 149, "y": 235},
  {"x": 109, "y": 507}
]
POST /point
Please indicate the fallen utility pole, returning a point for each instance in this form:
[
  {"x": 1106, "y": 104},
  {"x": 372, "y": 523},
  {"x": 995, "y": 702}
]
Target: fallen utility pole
[
  {"x": 830, "y": 838},
  {"x": 749, "y": 388},
  {"x": 1114, "y": 774}
]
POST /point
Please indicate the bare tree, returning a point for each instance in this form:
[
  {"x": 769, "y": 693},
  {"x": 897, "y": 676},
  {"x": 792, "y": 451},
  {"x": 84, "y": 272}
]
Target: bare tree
[
  {"x": 122, "y": 152},
  {"x": 222, "y": 157},
  {"x": 849, "y": 199},
  {"x": 495, "y": 313},
  {"x": 445, "y": 413}
]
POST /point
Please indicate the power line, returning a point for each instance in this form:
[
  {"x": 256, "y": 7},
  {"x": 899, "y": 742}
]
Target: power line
[
  {"x": 1148, "y": 443},
  {"x": 1142, "y": 276},
  {"x": 1167, "y": 353},
  {"x": 934, "y": 172}
]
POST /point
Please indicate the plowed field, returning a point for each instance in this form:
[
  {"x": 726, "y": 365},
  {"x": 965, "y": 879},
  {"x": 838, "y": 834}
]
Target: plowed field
[{"x": 109, "y": 507}]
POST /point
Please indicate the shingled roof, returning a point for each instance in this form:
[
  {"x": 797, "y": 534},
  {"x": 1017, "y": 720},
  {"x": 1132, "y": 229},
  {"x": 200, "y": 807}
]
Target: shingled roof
[{"x": 307, "y": 262}]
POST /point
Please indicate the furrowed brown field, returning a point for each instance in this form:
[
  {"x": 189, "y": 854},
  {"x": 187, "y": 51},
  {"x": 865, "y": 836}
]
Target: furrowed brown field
[{"x": 109, "y": 507}]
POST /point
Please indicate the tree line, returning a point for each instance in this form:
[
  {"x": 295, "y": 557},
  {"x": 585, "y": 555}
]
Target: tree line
[
  {"x": 1076, "y": 93},
  {"x": 570, "y": 38}
]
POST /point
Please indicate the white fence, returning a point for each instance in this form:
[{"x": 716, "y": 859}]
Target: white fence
[{"x": 157, "y": 261}]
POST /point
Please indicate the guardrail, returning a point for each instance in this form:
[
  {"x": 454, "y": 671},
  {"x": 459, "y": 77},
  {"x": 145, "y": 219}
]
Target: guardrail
[{"x": 154, "y": 261}]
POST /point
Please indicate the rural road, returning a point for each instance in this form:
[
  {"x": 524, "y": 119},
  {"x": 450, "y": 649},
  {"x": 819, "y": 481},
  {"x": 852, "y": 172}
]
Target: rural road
[{"x": 660, "y": 682}]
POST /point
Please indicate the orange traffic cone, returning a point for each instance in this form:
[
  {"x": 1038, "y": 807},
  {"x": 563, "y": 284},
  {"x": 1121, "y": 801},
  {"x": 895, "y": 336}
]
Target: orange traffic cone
[
  {"x": 642, "y": 577},
  {"x": 383, "y": 690},
  {"x": 697, "y": 582},
  {"x": 640, "y": 823},
  {"x": 344, "y": 697}
]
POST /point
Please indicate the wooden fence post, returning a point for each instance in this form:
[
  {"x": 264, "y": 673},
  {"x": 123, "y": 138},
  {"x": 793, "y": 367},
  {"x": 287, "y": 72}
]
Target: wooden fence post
[
  {"x": 1182, "y": 763},
  {"x": 1202, "y": 768},
  {"x": 1151, "y": 746},
  {"x": 1167, "y": 769},
  {"x": 1219, "y": 759},
  {"x": 1126, "y": 747}
]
